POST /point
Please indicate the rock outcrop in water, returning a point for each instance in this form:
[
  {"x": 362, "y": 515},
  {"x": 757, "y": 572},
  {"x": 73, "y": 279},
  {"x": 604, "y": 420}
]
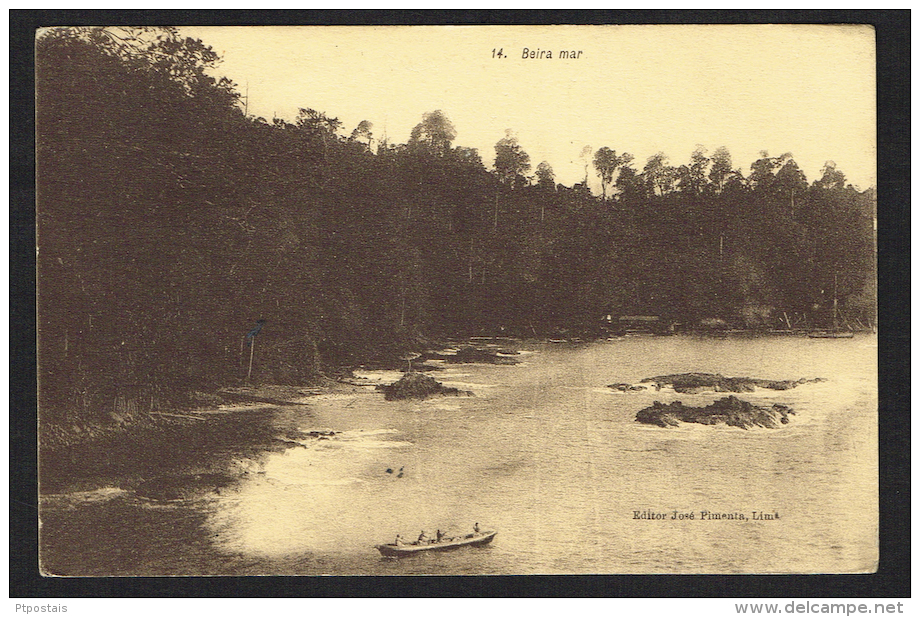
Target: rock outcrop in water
[
  {"x": 627, "y": 387},
  {"x": 694, "y": 383},
  {"x": 418, "y": 385},
  {"x": 729, "y": 410},
  {"x": 469, "y": 354}
]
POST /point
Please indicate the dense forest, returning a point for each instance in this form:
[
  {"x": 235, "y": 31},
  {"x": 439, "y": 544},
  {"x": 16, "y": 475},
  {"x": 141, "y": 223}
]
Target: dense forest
[{"x": 169, "y": 221}]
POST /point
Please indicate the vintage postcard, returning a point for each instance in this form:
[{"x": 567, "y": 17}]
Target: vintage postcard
[{"x": 457, "y": 300}]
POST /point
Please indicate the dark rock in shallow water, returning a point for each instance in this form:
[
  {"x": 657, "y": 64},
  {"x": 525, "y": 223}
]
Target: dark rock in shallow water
[
  {"x": 729, "y": 410},
  {"x": 418, "y": 385},
  {"x": 475, "y": 355},
  {"x": 319, "y": 434},
  {"x": 626, "y": 387},
  {"x": 694, "y": 383}
]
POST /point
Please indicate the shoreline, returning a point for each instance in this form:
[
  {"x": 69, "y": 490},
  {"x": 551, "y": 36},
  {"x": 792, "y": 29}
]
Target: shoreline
[
  {"x": 232, "y": 420},
  {"x": 178, "y": 443}
]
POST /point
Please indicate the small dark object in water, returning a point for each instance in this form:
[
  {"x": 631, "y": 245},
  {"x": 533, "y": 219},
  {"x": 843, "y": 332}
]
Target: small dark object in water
[
  {"x": 389, "y": 470},
  {"x": 729, "y": 410}
]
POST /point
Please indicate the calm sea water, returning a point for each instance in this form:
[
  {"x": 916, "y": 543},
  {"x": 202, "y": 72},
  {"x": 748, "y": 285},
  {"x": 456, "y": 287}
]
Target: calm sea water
[{"x": 548, "y": 456}]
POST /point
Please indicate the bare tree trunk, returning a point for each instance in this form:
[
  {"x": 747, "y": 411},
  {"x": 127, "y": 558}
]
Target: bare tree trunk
[
  {"x": 471, "y": 261},
  {"x": 317, "y": 361},
  {"x": 495, "y": 225},
  {"x": 252, "y": 348},
  {"x": 402, "y": 313}
]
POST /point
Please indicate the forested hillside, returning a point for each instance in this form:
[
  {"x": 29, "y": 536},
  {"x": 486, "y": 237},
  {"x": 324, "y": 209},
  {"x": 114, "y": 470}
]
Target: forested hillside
[{"x": 169, "y": 221}]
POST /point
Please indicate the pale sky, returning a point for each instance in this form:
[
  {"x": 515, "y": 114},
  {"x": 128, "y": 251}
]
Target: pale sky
[{"x": 805, "y": 89}]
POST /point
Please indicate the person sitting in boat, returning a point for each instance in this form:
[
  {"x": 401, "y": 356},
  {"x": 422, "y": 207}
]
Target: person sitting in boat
[
  {"x": 476, "y": 528},
  {"x": 422, "y": 538},
  {"x": 440, "y": 535},
  {"x": 399, "y": 540}
]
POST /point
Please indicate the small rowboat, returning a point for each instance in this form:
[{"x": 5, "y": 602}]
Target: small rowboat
[{"x": 446, "y": 544}]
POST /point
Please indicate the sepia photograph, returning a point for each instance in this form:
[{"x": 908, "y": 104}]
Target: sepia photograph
[{"x": 457, "y": 300}]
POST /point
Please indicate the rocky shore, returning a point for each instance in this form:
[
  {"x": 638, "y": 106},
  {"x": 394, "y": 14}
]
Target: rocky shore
[
  {"x": 695, "y": 383},
  {"x": 484, "y": 354},
  {"x": 176, "y": 448},
  {"x": 418, "y": 386},
  {"x": 730, "y": 410}
]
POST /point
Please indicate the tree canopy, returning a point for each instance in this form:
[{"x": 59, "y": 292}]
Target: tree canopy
[
  {"x": 511, "y": 162},
  {"x": 170, "y": 222},
  {"x": 434, "y": 134}
]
